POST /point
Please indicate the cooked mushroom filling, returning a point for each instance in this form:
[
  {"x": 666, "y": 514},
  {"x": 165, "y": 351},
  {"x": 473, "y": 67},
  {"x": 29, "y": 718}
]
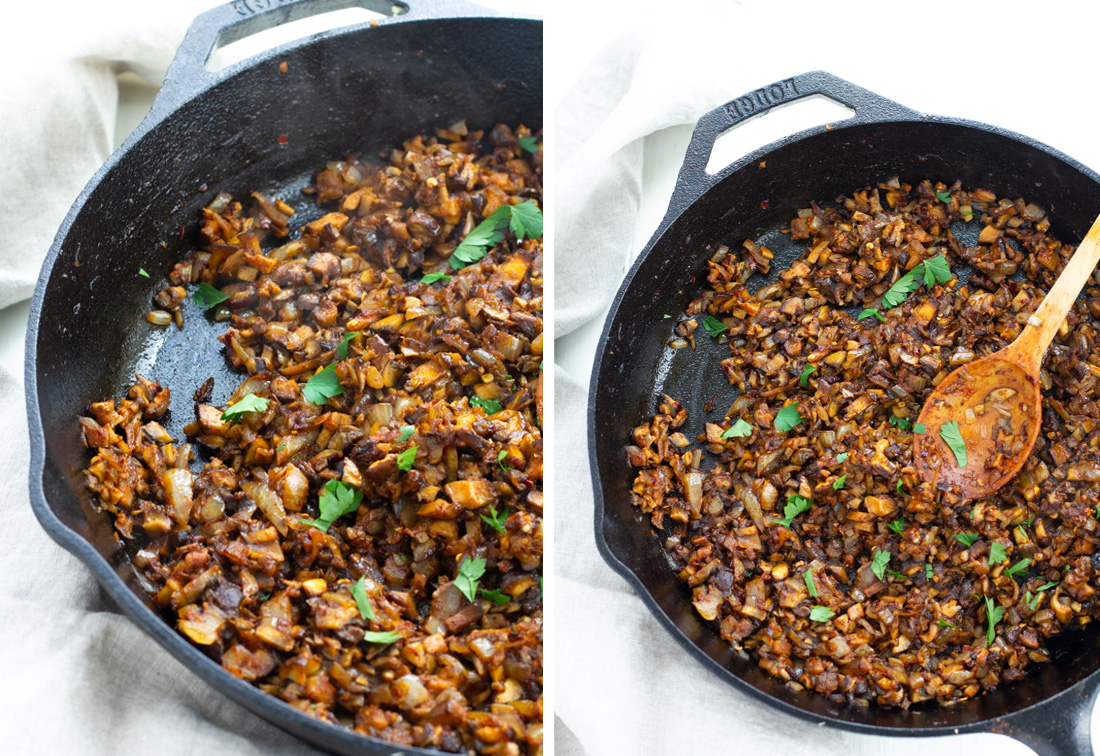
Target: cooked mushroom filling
[
  {"x": 364, "y": 539},
  {"x": 798, "y": 520}
]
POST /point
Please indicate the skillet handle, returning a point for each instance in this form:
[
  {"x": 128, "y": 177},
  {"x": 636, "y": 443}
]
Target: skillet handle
[
  {"x": 1059, "y": 726},
  {"x": 236, "y": 20},
  {"x": 693, "y": 180}
]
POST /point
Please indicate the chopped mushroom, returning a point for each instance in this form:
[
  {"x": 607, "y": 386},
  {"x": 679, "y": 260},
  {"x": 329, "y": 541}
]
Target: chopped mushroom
[
  {"x": 900, "y": 569},
  {"x": 314, "y": 543}
]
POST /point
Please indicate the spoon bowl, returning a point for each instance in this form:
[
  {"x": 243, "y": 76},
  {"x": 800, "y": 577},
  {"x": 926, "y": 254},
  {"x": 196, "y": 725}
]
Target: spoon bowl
[{"x": 997, "y": 405}]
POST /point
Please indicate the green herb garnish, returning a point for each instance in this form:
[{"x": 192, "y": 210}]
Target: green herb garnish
[
  {"x": 323, "y": 385},
  {"x": 993, "y": 614},
  {"x": 740, "y": 429},
  {"x": 804, "y": 378},
  {"x": 1049, "y": 584},
  {"x": 930, "y": 272},
  {"x": 143, "y": 272},
  {"x": 469, "y": 572},
  {"x": 248, "y": 403},
  {"x": 866, "y": 313},
  {"x": 531, "y": 144},
  {"x": 336, "y": 500},
  {"x": 945, "y": 623},
  {"x": 928, "y": 573},
  {"x": 431, "y": 278},
  {"x": 936, "y": 270},
  {"x": 967, "y": 539},
  {"x": 494, "y": 520},
  {"x": 900, "y": 422},
  {"x": 997, "y": 553},
  {"x": 1028, "y": 521},
  {"x": 898, "y": 485},
  {"x": 524, "y": 219},
  {"x": 842, "y": 457},
  {"x": 879, "y": 562},
  {"x": 713, "y": 326},
  {"x": 499, "y": 598},
  {"x": 839, "y": 482},
  {"x": 951, "y": 436},
  {"x": 491, "y": 406},
  {"x": 808, "y": 577},
  {"x": 898, "y": 525},
  {"x": 919, "y": 428},
  {"x": 903, "y": 287},
  {"x": 500, "y": 459},
  {"x": 787, "y": 418},
  {"x": 406, "y": 458},
  {"x": 795, "y": 506},
  {"x": 207, "y": 296},
  {"x": 944, "y": 197},
  {"x": 359, "y": 593},
  {"x": 406, "y": 433},
  {"x": 1031, "y": 599},
  {"x": 342, "y": 349},
  {"x": 1020, "y": 566},
  {"x": 389, "y": 636},
  {"x": 821, "y": 614}
]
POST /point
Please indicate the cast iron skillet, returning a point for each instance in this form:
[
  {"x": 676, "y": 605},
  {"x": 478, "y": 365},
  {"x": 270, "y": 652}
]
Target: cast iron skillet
[
  {"x": 1049, "y": 709},
  {"x": 360, "y": 89}
]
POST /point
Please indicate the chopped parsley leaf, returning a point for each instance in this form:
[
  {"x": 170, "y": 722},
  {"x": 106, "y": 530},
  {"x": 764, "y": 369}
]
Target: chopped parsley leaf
[
  {"x": 993, "y": 615},
  {"x": 389, "y": 636},
  {"x": 839, "y": 482},
  {"x": 951, "y": 436},
  {"x": 740, "y": 429},
  {"x": 787, "y": 418},
  {"x": 919, "y": 428},
  {"x": 803, "y": 380},
  {"x": 406, "y": 458},
  {"x": 900, "y": 422},
  {"x": 323, "y": 385},
  {"x": 997, "y": 553},
  {"x": 808, "y": 577},
  {"x": 795, "y": 506},
  {"x": 866, "y": 313},
  {"x": 431, "y": 278},
  {"x": 338, "y": 499},
  {"x": 359, "y": 593},
  {"x": 495, "y": 520},
  {"x": 898, "y": 525},
  {"x": 469, "y": 573},
  {"x": 842, "y": 457},
  {"x": 944, "y": 197},
  {"x": 821, "y": 614},
  {"x": 1017, "y": 568},
  {"x": 713, "y": 326},
  {"x": 491, "y": 406},
  {"x": 207, "y": 296},
  {"x": 248, "y": 403},
  {"x": 342, "y": 349},
  {"x": 499, "y": 598},
  {"x": 967, "y": 539},
  {"x": 879, "y": 562},
  {"x": 406, "y": 432}
]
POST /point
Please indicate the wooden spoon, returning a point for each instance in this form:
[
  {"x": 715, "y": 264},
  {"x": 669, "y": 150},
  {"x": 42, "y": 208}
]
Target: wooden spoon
[{"x": 996, "y": 400}]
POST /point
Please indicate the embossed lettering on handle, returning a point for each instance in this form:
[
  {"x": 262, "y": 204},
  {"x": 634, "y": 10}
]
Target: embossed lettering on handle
[
  {"x": 762, "y": 99},
  {"x": 247, "y": 8}
]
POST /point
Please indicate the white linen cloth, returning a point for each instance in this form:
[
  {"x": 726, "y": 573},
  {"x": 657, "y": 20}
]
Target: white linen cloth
[{"x": 623, "y": 684}]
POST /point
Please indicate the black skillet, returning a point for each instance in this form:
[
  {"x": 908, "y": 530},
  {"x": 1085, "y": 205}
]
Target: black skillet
[
  {"x": 250, "y": 127},
  {"x": 1050, "y": 709}
]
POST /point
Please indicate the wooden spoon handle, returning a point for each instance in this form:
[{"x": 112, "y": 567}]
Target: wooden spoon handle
[{"x": 1034, "y": 340}]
